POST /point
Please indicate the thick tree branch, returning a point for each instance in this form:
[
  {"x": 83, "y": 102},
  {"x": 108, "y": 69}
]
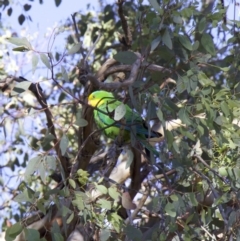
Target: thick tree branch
[
  {"x": 129, "y": 81},
  {"x": 105, "y": 71}
]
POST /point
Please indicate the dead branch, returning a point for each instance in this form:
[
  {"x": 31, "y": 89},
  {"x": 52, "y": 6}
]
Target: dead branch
[
  {"x": 108, "y": 86},
  {"x": 101, "y": 74},
  {"x": 140, "y": 204},
  {"x": 105, "y": 71}
]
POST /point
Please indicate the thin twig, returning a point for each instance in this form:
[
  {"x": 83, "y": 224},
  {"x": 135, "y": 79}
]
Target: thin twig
[
  {"x": 214, "y": 194},
  {"x": 91, "y": 49},
  {"x": 212, "y": 170},
  {"x": 75, "y": 26},
  {"x": 140, "y": 205},
  {"x": 206, "y": 231}
]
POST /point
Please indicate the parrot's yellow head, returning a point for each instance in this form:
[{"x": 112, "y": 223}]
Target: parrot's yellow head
[{"x": 99, "y": 97}]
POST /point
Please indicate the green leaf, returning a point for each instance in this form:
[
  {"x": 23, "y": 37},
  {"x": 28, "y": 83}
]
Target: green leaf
[
  {"x": 105, "y": 234},
  {"x": 155, "y": 5},
  {"x": 115, "y": 220},
  {"x": 32, "y": 234},
  {"x": 202, "y": 25},
  {"x": 105, "y": 204},
  {"x": 26, "y": 196},
  {"x": 233, "y": 217},
  {"x": 46, "y": 142},
  {"x": 133, "y": 233},
  {"x": 35, "y": 60},
  {"x": 184, "y": 116},
  {"x": 41, "y": 205},
  {"x": 65, "y": 210},
  {"x": 200, "y": 130},
  {"x": 102, "y": 189},
  {"x": 45, "y": 60},
  {"x": 72, "y": 183},
  {"x": 174, "y": 197},
  {"x": 176, "y": 144},
  {"x": 81, "y": 122},
  {"x": 221, "y": 120},
  {"x": 224, "y": 69},
  {"x": 129, "y": 156},
  {"x": 58, "y": 237},
  {"x": 155, "y": 43},
  {"x": 186, "y": 12},
  {"x": 207, "y": 43},
  {"x": 51, "y": 162},
  {"x": 64, "y": 74},
  {"x": 171, "y": 105},
  {"x": 32, "y": 166},
  {"x": 119, "y": 112},
  {"x": 160, "y": 114},
  {"x": 20, "y": 49},
  {"x": 185, "y": 42},
  {"x": 74, "y": 49},
  {"x": 9, "y": 11},
  {"x": 225, "y": 108},
  {"x": 132, "y": 97},
  {"x": 223, "y": 171},
  {"x": 64, "y": 144},
  {"x": 58, "y": 2},
  {"x": 21, "y": 19},
  {"x": 185, "y": 132},
  {"x": 195, "y": 45},
  {"x": 113, "y": 193},
  {"x": 70, "y": 218},
  {"x": 13, "y": 231},
  {"x": 125, "y": 57},
  {"x": 181, "y": 86},
  {"x": 20, "y": 88},
  {"x": 27, "y": 7},
  {"x": 193, "y": 199},
  {"x": 20, "y": 42},
  {"x": 177, "y": 19},
  {"x": 204, "y": 80},
  {"x": 167, "y": 39},
  {"x": 42, "y": 172},
  {"x": 170, "y": 209},
  {"x": 78, "y": 202},
  {"x": 83, "y": 176},
  {"x": 236, "y": 173},
  {"x": 169, "y": 138}
]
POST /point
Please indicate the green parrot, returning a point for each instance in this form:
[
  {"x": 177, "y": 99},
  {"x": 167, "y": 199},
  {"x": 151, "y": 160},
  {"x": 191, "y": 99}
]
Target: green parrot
[{"x": 106, "y": 104}]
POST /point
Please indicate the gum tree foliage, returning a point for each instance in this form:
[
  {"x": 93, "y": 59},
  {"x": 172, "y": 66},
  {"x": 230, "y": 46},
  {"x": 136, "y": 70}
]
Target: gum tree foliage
[
  {"x": 176, "y": 63},
  {"x": 25, "y": 6}
]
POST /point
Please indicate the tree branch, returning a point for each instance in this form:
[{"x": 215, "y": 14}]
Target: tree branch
[
  {"x": 125, "y": 27},
  {"x": 108, "y": 86},
  {"x": 5, "y": 85}
]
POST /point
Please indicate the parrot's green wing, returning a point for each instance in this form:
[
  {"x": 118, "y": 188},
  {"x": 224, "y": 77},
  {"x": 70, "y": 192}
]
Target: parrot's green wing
[{"x": 131, "y": 122}]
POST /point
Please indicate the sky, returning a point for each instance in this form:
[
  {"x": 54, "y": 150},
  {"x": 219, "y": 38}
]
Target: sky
[{"x": 46, "y": 14}]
